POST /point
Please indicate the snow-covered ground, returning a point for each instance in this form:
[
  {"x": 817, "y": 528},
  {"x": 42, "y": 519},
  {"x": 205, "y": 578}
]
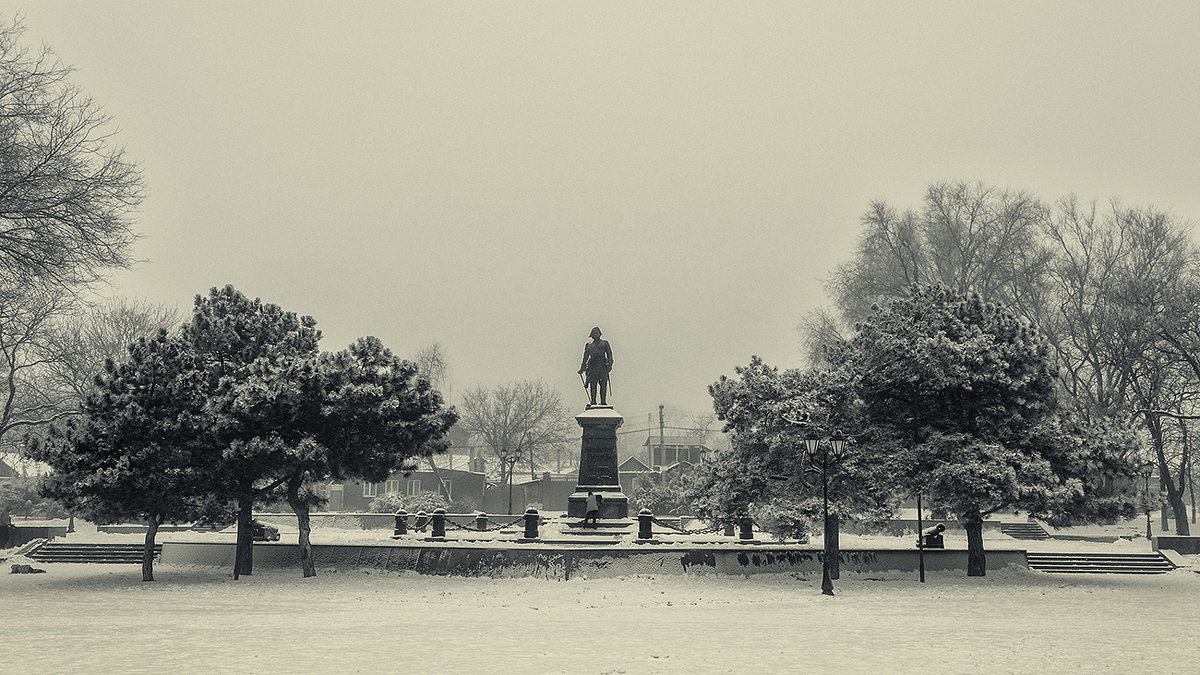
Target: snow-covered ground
[
  {"x": 102, "y": 618},
  {"x": 98, "y": 618}
]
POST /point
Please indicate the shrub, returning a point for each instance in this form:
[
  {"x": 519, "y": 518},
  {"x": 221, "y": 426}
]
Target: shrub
[
  {"x": 20, "y": 497},
  {"x": 394, "y": 501},
  {"x": 662, "y": 498}
]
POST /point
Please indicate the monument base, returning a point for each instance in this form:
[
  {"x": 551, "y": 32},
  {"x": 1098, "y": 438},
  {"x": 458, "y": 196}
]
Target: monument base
[{"x": 614, "y": 503}]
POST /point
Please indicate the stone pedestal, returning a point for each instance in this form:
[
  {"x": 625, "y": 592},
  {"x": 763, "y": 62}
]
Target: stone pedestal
[{"x": 598, "y": 464}]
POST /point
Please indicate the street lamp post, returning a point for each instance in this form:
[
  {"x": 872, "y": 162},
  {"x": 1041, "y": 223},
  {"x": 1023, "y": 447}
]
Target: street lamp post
[
  {"x": 836, "y": 443},
  {"x": 1146, "y": 473}
]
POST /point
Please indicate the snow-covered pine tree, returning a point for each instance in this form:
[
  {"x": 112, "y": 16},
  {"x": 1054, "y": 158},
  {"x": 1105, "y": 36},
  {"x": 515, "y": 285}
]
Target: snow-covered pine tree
[{"x": 137, "y": 452}]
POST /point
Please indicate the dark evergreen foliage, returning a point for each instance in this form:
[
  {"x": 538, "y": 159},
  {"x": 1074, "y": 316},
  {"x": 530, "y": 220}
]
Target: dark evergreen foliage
[
  {"x": 963, "y": 393},
  {"x": 141, "y": 450}
]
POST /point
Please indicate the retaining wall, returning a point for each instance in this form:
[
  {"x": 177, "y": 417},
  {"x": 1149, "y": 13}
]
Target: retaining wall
[
  {"x": 1177, "y": 543},
  {"x": 15, "y": 535},
  {"x": 534, "y": 560}
]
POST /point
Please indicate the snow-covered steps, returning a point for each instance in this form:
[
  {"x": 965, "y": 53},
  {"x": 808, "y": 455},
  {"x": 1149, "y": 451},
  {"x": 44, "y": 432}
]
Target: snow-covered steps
[
  {"x": 580, "y": 532},
  {"x": 1031, "y": 531},
  {"x": 611, "y": 525},
  {"x": 124, "y": 554},
  {"x": 1101, "y": 563}
]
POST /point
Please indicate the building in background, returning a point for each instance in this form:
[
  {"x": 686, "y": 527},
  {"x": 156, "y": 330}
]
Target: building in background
[
  {"x": 667, "y": 450},
  {"x": 463, "y": 488}
]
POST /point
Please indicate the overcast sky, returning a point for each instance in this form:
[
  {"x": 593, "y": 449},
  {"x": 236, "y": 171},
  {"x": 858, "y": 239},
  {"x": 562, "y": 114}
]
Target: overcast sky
[{"x": 500, "y": 177}]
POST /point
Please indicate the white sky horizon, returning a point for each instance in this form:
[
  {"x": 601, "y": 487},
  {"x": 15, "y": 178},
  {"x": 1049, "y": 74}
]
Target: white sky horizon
[{"x": 499, "y": 178}]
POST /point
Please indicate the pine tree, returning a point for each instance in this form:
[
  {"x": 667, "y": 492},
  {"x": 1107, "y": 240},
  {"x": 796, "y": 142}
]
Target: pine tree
[
  {"x": 139, "y": 450},
  {"x": 375, "y": 415},
  {"x": 963, "y": 393},
  {"x": 766, "y": 471},
  {"x": 258, "y": 366}
]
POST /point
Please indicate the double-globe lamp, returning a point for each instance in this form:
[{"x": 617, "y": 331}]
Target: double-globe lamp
[{"x": 836, "y": 444}]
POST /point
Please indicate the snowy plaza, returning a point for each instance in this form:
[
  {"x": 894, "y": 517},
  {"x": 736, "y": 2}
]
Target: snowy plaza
[
  {"x": 99, "y": 618},
  {"x": 195, "y": 618}
]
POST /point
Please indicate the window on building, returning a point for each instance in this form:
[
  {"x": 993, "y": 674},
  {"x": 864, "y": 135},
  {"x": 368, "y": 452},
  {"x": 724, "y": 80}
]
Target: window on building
[
  {"x": 370, "y": 489},
  {"x": 391, "y": 486},
  {"x": 414, "y": 486}
]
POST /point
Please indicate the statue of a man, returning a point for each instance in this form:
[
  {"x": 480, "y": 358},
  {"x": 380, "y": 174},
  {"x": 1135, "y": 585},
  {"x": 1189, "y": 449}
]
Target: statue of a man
[{"x": 597, "y": 361}]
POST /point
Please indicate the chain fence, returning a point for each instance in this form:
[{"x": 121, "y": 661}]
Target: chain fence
[
  {"x": 490, "y": 528},
  {"x": 719, "y": 527},
  {"x": 715, "y": 527}
]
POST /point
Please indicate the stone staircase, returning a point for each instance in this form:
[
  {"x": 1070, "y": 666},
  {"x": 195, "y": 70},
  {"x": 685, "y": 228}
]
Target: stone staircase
[
  {"x": 1100, "y": 563},
  {"x": 1029, "y": 531},
  {"x": 605, "y": 532},
  {"x": 120, "y": 554}
]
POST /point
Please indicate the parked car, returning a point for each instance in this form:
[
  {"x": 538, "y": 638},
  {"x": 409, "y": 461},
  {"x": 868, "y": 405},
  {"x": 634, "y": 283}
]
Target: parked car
[{"x": 264, "y": 531}]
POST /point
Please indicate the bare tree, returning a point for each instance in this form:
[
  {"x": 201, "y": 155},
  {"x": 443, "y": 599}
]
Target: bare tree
[
  {"x": 523, "y": 421},
  {"x": 432, "y": 363},
  {"x": 968, "y": 236},
  {"x": 23, "y": 326},
  {"x": 1124, "y": 324},
  {"x": 67, "y": 193},
  {"x": 819, "y": 330},
  {"x": 51, "y": 350},
  {"x": 67, "y": 199},
  {"x": 77, "y": 345}
]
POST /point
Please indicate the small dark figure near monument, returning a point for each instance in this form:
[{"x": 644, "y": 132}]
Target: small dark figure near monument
[
  {"x": 597, "y": 362},
  {"x": 593, "y": 509}
]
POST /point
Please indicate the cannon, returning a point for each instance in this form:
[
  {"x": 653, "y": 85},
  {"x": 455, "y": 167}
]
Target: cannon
[{"x": 932, "y": 537}]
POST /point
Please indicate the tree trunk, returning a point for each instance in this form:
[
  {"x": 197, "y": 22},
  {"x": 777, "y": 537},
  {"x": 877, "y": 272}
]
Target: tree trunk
[
  {"x": 300, "y": 507},
  {"x": 243, "y": 562},
  {"x": 148, "y": 552},
  {"x": 976, "y": 559},
  {"x": 1174, "y": 494},
  {"x": 1192, "y": 488},
  {"x": 1185, "y": 468},
  {"x": 832, "y": 546},
  {"x": 1175, "y": 497}
]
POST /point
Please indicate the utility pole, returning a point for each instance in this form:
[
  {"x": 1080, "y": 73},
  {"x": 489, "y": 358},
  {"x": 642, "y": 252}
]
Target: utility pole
[
  {"x": 649, "y": 437},
  {"x": 662, "y": 453}
]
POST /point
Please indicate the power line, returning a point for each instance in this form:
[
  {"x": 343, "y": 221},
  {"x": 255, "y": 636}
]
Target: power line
[{"x": 640, "y": 431}]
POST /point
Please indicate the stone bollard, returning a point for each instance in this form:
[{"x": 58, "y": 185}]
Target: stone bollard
[
  {"x": 422, "y": 521},
  {"x": 481, "y": 521},
  {"x": 531, "y": 523},
  {"x": 728, "y": 529},
  {"x": 645, "y": 523},
  {"x": 439, "y": 523},
  {"x": 747, "y": 528},
  {"x": 401, "y": 523}
]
